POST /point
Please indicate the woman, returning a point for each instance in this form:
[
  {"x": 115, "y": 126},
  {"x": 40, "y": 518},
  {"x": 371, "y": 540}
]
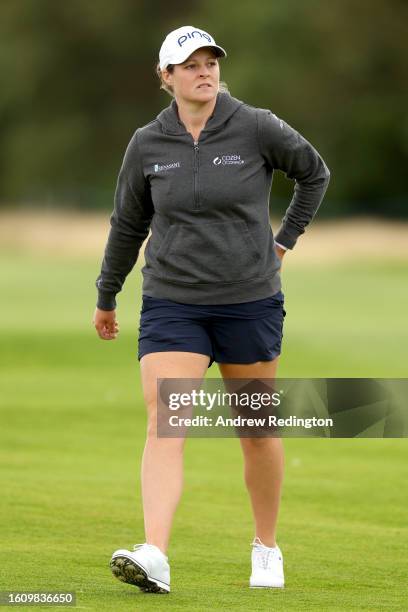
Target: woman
[{"x": 199, "y": 176}]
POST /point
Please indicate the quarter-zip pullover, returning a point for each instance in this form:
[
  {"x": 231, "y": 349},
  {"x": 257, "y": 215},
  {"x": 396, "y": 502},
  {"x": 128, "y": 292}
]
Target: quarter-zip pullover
[{"x": 207, "y": 205}]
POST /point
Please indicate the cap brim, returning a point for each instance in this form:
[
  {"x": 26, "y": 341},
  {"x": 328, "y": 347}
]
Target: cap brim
[{"x": 219, "y": 51}]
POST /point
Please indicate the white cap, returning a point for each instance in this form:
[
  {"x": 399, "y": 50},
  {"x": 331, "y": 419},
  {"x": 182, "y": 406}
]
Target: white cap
[{"x": 181, "y": 43}]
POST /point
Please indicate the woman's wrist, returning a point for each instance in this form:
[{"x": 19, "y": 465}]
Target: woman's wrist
[{"x": 106, "y": 300}]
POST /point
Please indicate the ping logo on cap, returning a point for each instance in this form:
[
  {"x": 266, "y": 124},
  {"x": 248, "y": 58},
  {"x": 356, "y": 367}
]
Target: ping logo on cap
[{"x": 192, "y": 34}]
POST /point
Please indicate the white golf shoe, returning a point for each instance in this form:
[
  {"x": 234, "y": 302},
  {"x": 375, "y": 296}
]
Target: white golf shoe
[
  {"x": 146, "y": 567},
  {"x": 267, "y": 566}
]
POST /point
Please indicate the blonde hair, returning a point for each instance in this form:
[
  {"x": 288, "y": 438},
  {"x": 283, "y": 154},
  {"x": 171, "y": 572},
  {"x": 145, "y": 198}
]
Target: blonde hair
[{"x": 223, "y": 87}]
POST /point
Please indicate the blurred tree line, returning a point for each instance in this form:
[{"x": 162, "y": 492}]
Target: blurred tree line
[{"x": 78, "y": 79}]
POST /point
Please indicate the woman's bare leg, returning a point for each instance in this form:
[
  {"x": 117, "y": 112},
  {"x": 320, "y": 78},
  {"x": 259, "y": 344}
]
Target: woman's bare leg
[
  {"x": 263, "y": 460},
  {"x": 162, "y": 463}
]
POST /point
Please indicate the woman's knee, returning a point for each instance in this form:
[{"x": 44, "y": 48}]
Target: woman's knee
[
  {"x": 157, "y": 430},
  {"x": 261, "y": 444},
  {"x": 152, "y": 418}
]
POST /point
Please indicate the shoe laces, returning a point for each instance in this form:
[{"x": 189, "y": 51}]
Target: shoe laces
[
  {"x": 264, "y": 554},
  {"x": 151, "y": 546},
  {"x": 145, "y": 544}
]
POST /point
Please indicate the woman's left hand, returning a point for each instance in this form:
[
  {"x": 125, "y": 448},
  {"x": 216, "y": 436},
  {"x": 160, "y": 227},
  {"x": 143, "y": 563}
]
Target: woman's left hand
[{"x": 280, "y": 252}]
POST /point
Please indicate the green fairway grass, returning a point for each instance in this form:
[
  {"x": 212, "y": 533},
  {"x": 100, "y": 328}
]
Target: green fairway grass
[{"x": 72, "y": 435}]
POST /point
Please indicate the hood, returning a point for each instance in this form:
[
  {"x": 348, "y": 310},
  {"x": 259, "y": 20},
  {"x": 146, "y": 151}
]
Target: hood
[{"x": 225, "y": 106}]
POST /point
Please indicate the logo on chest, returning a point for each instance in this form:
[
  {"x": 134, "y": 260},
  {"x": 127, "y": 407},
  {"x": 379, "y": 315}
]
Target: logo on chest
[
  {"x": 228, "y": 160},
  {"x": 162, "y": 167}
]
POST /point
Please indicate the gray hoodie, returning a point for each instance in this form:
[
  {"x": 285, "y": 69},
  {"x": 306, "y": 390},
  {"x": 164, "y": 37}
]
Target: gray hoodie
[{"x": 207, "y": 205}]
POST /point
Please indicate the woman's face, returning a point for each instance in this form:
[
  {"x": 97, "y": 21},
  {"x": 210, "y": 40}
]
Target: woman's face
[{"x": 197, "y": 79}]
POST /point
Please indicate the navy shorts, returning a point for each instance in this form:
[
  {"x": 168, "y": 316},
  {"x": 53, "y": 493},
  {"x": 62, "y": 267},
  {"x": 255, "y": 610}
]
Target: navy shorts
[{"x": 227, "y": 333}]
